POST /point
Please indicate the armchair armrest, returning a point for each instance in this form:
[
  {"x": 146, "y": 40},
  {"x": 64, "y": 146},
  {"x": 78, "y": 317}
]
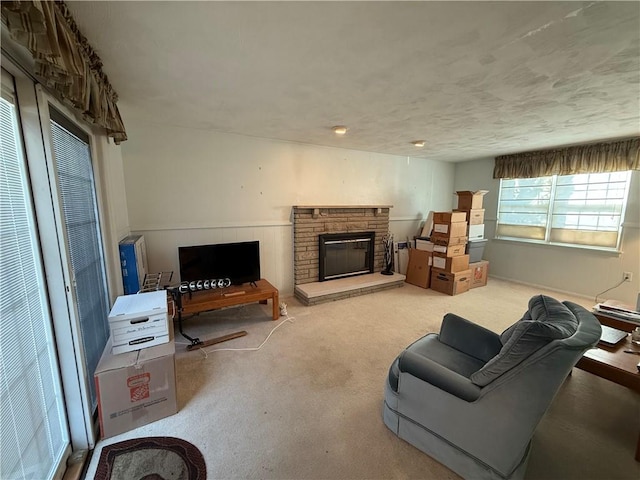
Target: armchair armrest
[
  {"x": 469, "y": 337},
  {"x": 438, "y": 376}
]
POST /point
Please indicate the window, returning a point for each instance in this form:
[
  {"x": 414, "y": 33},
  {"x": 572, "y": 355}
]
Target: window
[{"x": 579, "y": 210}]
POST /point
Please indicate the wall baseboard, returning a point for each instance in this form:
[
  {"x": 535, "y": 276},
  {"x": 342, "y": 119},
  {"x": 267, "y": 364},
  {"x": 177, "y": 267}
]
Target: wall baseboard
[{"x": 545, "y": 287}]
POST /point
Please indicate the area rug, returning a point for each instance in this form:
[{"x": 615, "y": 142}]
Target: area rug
[{"x": 151, "y": 458}]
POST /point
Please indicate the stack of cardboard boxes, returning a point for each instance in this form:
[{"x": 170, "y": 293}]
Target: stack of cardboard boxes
[
  {"x": 470, "y": 203},
  {"x": 450, "y": 272},
  {"x": 448, "y": 256},
  {"x": 135, "y": 378}
]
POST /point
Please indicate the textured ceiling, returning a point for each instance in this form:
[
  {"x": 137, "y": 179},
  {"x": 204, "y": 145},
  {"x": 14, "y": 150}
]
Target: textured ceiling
[{"x": 473, "y": 79}]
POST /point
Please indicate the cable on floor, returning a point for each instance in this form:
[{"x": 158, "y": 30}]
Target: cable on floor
[{"x": 247, "y": 349}]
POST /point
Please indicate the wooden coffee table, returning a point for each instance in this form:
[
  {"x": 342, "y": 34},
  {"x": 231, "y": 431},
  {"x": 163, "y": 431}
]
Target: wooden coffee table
[
  {"x": 612, "y": 363},
  {"x": 205, "y": 300}
]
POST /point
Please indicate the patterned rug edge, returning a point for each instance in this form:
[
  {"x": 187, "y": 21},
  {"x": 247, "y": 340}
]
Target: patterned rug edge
[{"x": 190, "y": 454}]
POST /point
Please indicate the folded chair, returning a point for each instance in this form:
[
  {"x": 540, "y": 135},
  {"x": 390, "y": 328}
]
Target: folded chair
[{"x": 472, "y": 399}]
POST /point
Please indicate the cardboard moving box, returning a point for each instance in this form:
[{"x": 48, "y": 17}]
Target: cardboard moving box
[
  {"x": 450, "y": 264},
  {"x": 135, "y": 388},
  {"x": 450, "y": 283},
  {"x": 428, "y": 225},
  {"x": 419, "y": 268},
  {"x": 479, "y": 273},
  {"x": 448, "y": 240},
  {"x": 449, "y": 217},
  {"x": 448, "y": 230},
  {"x": 469, "y": 200},
  {"x": 474, "y": 217},
  {"x": 450, "y": 250}
]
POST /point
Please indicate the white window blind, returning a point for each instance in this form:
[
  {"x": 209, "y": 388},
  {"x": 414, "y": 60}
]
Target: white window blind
[
  {"x": 580, "y": 210},
  {"x": 33, "y": 435},
  {"x": 81, "y": 222}
]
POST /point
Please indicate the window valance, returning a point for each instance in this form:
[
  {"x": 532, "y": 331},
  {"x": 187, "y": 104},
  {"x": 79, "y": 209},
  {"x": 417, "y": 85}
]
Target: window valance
[
  {"x": 65, "y": 62},
  {"x": 594, "y": 158}
]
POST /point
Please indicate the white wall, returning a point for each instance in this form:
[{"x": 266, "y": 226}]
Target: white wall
[
  {"x": 186, "y": 187},
  {"x": 581, "y": 271},
  {"x": 113, "y": 213}
]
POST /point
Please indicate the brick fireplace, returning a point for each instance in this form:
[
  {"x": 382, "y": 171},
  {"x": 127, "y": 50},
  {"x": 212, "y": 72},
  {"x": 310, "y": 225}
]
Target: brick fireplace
[{"x": 311, "y": 221}]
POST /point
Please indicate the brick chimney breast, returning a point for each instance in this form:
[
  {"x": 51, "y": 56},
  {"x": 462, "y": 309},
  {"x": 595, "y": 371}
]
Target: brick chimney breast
[{"x": 311, "y": 221}]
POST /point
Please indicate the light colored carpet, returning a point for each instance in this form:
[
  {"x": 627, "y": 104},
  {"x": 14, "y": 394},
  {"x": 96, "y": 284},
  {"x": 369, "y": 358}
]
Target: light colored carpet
[{"x": 308, "y": 404}]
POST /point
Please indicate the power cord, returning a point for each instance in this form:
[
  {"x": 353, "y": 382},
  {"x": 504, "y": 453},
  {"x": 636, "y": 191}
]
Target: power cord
[
  {"x": 608, "y": 289},
  {"x": 247, "y": 349}
]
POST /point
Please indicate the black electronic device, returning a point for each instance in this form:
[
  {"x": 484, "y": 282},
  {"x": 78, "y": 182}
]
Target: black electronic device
[{"x": 238, "y": 262}]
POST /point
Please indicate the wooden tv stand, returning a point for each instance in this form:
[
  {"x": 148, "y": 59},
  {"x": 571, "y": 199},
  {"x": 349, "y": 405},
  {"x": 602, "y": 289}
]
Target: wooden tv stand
[{"x": 206, "y": 300}]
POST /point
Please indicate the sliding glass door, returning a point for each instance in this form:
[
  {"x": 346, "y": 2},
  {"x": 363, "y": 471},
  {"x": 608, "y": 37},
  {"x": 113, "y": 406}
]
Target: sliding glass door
[
  {"x": 86, "y": 266},
  {"x": 34, "y": 440}
]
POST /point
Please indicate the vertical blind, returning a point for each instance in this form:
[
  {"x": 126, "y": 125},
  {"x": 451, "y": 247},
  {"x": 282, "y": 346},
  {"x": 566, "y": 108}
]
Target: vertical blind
[
  {"x": 33, "y": 434},
  {"x": 77, "y": 190}
]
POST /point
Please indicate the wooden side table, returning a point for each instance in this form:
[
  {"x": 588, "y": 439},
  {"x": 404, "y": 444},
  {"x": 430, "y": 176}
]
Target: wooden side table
[{"x": 612, "y": 363}]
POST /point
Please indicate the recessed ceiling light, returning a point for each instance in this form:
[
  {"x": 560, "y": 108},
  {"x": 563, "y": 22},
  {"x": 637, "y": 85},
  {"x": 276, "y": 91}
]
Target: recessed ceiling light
[
  {"x": 418, "y": 143},
  {"x": 339, "y": 130}
]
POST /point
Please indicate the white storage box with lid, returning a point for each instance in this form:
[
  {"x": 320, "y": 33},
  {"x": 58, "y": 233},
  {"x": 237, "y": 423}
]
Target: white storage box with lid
[
  {"x": 476, "y": 232},
  {"x": 422, "y": 244},
  {"x": 139, "y": 321}
]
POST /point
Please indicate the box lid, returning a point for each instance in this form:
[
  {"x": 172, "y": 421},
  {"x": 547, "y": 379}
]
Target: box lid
[
  {"x": 471, "y": 192},
  {"x": 132, "y": 306},
  {"x": 479, "y": 263},
  {"x": 130, "y": 239},
  {"x": 109, "y": 362}
]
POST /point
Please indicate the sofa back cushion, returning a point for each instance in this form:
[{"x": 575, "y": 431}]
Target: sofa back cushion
[{"x": 546, "y": 320}]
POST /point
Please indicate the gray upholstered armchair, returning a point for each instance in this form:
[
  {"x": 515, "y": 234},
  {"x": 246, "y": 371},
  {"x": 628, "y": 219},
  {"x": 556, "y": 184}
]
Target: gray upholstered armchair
[{"x": 472, "y": 399}]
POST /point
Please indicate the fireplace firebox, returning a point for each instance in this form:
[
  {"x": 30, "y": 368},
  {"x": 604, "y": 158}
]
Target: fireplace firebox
[{"x": 345, "y": 254}]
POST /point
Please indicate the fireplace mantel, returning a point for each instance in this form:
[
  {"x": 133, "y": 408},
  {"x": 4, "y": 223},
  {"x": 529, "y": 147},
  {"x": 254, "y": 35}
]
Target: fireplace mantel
[
  {"x": 318, "y": 210},
  {"x": 342, "y": 206}
]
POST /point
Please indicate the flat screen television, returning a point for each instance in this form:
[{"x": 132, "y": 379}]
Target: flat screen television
[{"x": 239, "y": 262}]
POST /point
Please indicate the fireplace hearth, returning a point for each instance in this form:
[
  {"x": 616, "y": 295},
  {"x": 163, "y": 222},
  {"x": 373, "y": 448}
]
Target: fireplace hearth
[{"x": 345, "y": 254}]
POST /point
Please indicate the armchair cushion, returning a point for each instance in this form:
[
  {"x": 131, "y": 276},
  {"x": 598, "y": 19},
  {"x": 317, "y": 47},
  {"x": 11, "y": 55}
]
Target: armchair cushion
[
  {"x": 438, "y": 375},
  {"x": 430, "y": 354},
  {"x": 547, "y": 319},
  {"x": 468, "y": 337},
  {"x": 460, "y": 362}
]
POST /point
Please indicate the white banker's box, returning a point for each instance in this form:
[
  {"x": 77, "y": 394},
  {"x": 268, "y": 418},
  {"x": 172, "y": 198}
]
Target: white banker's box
[{"x": 139, "y": 321}]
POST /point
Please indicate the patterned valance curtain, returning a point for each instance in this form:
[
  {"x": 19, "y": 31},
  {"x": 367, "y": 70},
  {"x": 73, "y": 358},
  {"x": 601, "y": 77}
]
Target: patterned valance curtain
[
  {"x": 595, "y": 158},
  {"x": 65, "y": 62}
]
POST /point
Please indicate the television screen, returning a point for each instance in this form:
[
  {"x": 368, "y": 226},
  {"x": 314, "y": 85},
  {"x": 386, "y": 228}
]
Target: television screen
[{"x": 240, "y": 262}]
